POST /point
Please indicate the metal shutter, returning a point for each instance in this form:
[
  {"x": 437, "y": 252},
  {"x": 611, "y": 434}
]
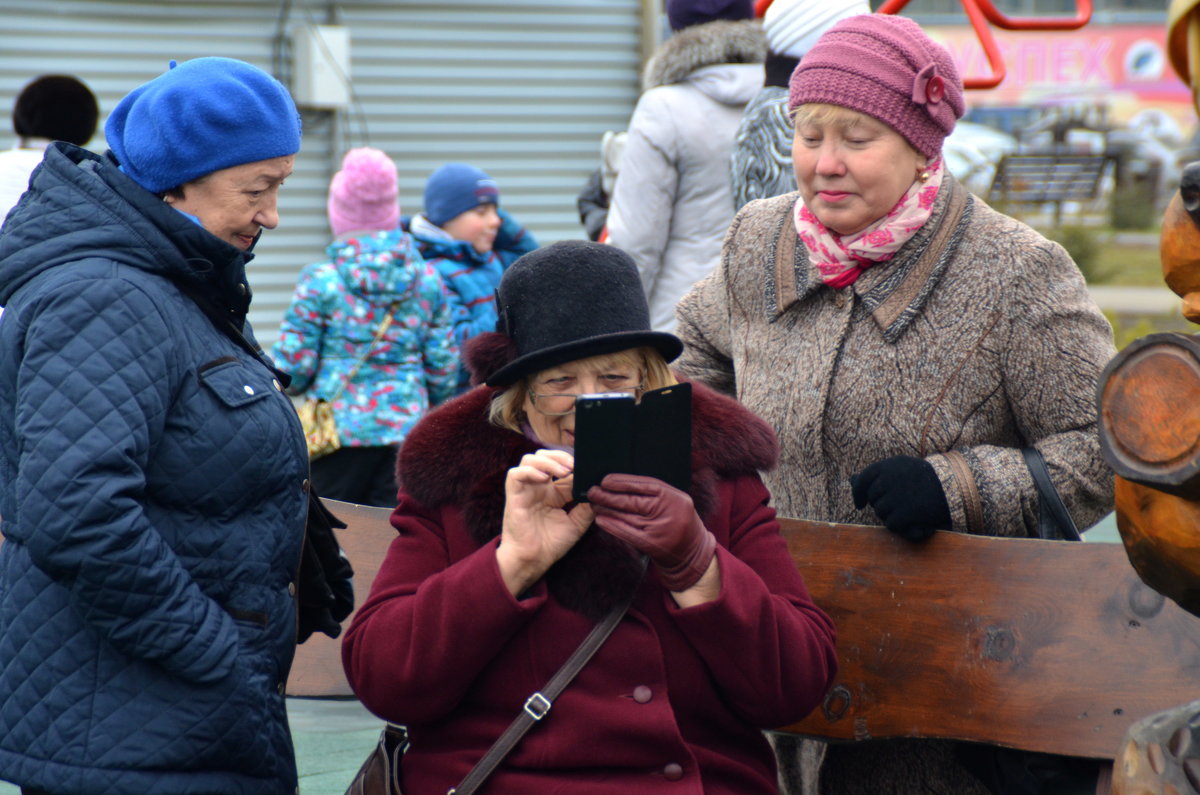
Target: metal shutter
[{"x": 523, "y": 90}]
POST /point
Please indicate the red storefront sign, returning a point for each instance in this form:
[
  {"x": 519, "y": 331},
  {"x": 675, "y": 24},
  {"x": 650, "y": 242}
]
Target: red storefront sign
[{"x": 1124, "y": 67}]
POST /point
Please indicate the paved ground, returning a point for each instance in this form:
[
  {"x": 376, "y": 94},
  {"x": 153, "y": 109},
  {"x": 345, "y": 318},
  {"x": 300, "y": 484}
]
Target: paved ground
[{"x": 332, "y": 738}]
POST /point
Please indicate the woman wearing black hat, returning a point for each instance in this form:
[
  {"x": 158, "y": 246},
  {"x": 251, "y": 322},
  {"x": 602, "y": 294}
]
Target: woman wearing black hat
[{"x": 497, "y": 575}]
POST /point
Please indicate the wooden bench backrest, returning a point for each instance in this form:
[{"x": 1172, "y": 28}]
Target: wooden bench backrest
[
  {"x": 1021, "y": 178},
  {"x": 1047, "y": 646},
  {"x": 1050, "y": 646}
]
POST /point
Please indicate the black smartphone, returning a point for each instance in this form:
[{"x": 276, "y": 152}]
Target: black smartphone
[{"x": 615, "y": 433}]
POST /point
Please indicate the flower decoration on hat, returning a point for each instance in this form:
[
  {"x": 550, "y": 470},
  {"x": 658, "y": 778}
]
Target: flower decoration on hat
[{"x": 929, "y": 88}]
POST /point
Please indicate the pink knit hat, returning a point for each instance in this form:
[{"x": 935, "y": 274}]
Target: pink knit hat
[
  {"x": 886, "y": 67},
  {"x": 363, "y": 195}
]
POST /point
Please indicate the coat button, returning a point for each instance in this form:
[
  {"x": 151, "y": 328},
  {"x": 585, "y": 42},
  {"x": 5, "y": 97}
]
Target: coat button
[
  {"x": 241, "y": 288},
  {"x": 283, "y": 687},
  {"x": 275, "y": 383},
  {"x": 249, "y": 390},
  {"x": 291, "y": 589},
  {"x": 305, "y": 485},
  {"x": 642, "y": 694},
  {"x": 673, "y": 772}
]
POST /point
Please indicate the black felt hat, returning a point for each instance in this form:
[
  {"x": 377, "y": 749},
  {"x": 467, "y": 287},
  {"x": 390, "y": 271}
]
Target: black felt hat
[
  {"x": 566, "y": 301},
  {"x": 58, "y": 107}
]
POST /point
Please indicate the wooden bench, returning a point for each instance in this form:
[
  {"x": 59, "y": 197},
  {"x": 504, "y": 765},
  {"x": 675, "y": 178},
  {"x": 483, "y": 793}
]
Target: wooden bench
[
  {"x": 1040, "y": 645},
  {"x": 1035, "y": 179}
]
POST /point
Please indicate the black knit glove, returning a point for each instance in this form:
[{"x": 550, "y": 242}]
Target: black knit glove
[
  {"x": 326, "y": 580},
  {"x": 906, "y": 495}
]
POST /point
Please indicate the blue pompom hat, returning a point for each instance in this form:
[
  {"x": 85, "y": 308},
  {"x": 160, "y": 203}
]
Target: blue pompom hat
[
  {"x": 201, "y": 116},
  {"x": 456, "y": 188}
]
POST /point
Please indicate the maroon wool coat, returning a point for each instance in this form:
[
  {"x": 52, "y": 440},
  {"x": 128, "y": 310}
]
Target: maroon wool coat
[{"x": 676, "y": 698}]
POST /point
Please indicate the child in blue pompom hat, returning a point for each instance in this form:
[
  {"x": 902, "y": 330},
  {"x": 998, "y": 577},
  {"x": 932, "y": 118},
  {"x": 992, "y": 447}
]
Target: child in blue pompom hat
[{"x": 470, "y": 240}]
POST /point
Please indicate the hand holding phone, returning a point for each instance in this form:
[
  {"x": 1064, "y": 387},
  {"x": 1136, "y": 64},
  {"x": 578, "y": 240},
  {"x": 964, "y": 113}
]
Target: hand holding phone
[
  {"x": 659, "y": 521},
  {"x": 616, "y": 433}
]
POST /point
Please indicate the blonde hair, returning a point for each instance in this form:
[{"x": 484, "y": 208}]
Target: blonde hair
[
  {"x": 824, "y": 115},
  {"x": 820, "y": 114},
  {"x": 507, "y": 409}
]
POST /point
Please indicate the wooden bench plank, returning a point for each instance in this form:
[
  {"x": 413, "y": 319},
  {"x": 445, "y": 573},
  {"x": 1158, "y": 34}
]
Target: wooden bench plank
[
  {"x": 1042, "y": 645},
  {"x": 317, "y": 669},
  {"x": 1048, "y": 646}
]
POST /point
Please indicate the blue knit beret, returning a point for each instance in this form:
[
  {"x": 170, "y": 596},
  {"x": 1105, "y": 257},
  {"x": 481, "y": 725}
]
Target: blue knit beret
[
  {"x": 455, "y": 188},
  {"x": 199, "y": 117}
]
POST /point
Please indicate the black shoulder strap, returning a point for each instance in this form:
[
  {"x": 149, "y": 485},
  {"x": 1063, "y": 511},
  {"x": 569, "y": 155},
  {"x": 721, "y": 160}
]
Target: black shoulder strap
[{"x": 1054, "y": 521}]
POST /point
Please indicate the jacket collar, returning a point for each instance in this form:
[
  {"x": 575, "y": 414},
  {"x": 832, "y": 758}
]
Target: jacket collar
[
  {"x": 718, "y": 42},
  {"x": 79, "y": 195},
  {"x": 894, "y": 293},
  {"x": 455, "y": 458}
]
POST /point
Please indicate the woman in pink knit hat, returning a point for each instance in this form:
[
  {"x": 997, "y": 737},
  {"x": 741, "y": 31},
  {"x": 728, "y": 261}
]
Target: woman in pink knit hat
[{"x": 908, "y": 343}]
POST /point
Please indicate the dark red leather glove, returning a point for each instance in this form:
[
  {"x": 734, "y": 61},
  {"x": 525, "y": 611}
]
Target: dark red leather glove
[{"x": 658, "y": 520}]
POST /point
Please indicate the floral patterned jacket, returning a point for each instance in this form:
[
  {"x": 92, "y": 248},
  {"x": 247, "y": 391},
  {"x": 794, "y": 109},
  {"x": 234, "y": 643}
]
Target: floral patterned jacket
[{"x": 337, "y": 310}]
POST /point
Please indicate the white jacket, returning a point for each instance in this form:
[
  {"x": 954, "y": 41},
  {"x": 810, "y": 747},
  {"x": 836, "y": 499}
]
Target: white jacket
[{"x": 673, "y": 199}]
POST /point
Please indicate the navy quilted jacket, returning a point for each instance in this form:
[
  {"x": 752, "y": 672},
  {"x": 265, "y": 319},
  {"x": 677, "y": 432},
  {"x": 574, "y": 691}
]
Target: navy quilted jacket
[{"x": 152, "y": 488}]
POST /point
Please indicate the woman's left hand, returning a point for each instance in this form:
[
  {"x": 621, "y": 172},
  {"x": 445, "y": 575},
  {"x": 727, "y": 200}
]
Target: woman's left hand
[
  {"x": 536, "y": 530},
  {"x": 906, "y": 495},
  {"x": 660, "y": 521}
]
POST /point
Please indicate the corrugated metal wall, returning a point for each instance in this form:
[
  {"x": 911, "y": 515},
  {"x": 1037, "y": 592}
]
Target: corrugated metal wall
[{"x": 523, "y": 90}]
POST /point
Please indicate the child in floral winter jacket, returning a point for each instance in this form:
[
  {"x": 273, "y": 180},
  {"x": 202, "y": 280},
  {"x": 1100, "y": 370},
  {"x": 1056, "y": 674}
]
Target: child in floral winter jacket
[
  {"x": 470, "y": 240},
  {"x": 374, "y": 276}
]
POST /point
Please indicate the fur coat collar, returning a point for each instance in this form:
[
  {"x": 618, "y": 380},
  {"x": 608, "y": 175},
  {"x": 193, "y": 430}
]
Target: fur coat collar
[
  {"x": 455, "y": 457},
  {"x": 712, "y": 43}
]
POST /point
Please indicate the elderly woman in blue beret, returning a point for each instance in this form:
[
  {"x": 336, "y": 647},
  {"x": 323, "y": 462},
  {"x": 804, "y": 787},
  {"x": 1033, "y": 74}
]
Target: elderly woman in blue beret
[{"x": 153, "y": 475}]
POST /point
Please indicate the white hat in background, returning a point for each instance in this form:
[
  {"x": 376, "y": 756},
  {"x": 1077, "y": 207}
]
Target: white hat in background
[{"x": 793, "y": 26}]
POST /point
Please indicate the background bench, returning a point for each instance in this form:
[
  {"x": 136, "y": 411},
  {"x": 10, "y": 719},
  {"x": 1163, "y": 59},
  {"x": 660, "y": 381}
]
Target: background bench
[
  {"x": 1042, "y": 645},
  {"x": 1035, "y": 179}
]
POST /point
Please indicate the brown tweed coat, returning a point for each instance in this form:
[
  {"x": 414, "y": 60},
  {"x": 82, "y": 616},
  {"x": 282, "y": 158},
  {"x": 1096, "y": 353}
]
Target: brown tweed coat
[{"x": 977, "y": 338}]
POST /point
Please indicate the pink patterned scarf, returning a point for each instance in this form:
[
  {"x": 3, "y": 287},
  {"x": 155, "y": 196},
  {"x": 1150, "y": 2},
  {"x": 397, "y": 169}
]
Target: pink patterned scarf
[{"x": 841, "y": 259}]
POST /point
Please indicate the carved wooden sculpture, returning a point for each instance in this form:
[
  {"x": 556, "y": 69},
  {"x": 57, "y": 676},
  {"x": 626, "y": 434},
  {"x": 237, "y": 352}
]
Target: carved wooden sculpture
[{"x": 1150, "y": 432}]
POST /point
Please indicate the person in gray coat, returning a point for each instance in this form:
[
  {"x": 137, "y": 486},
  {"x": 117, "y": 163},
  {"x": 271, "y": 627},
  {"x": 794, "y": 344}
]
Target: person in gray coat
[
  {"x": 673, "y": 199},
  {"x": 904, "y": 339}
]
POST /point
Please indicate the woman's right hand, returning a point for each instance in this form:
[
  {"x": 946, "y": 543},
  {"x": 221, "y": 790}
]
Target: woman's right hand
[{"x": 537, "y": 530}]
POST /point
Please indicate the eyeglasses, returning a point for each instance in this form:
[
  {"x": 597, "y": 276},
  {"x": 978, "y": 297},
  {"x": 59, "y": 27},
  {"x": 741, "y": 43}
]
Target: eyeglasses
[{"x": 564, "y": 404}]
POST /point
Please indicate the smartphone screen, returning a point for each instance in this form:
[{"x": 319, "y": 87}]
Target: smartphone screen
[
  {"x": 603, "y": 438},
  {"x": 663, "y": 435},
  {"x": 614, "y": 433}
]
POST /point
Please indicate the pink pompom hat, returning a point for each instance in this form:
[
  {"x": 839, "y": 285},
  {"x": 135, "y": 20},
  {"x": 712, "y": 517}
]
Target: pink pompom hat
[{"x": 363, "y": 196}]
